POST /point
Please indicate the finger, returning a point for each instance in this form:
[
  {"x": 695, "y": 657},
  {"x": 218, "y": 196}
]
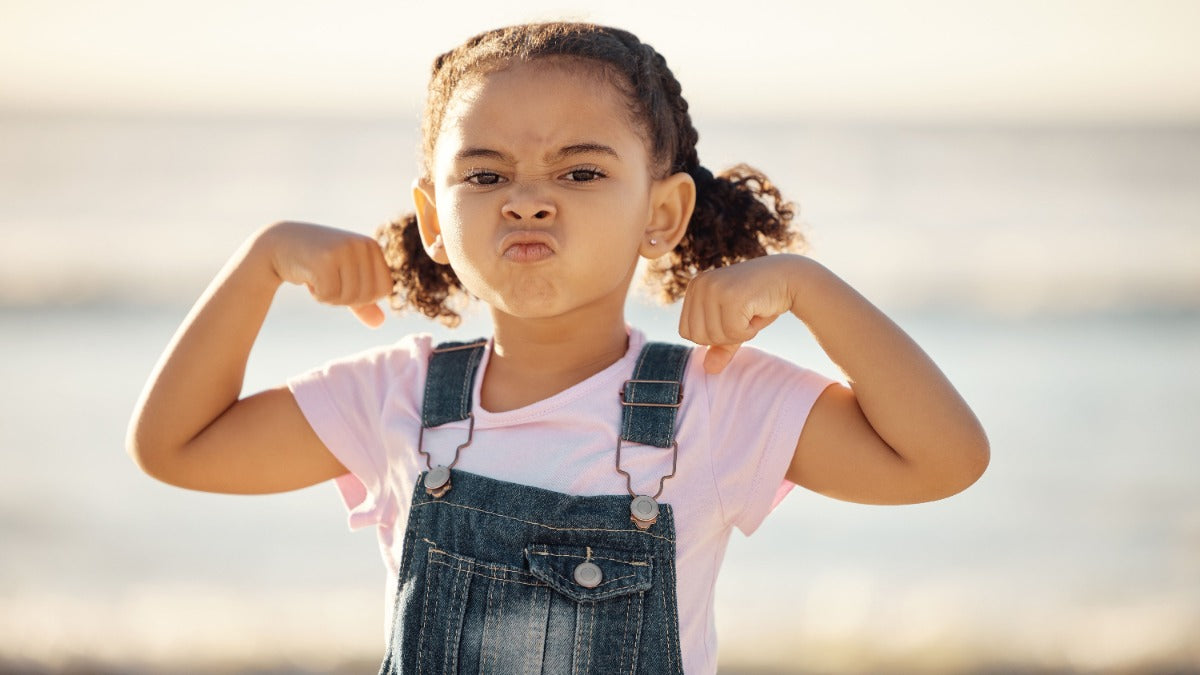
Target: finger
[
  {"x": 717, "y": 357},
  {"x": 368, "y": 289},
  {"x": 690, "y": 319},
  {"x": 348, "y": 280},
  {"x": 684, "y": 327},
  {"x": 370, "y": 314},
  {"x": 383, "y": 274},
  {"x": 714, "y": 322}
]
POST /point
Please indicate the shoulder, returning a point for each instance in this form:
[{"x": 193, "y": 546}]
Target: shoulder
[
  {"x": 375, "y": 367},
  {"x": 755, "y": 374}
]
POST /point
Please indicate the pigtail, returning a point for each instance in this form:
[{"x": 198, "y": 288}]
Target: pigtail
[
  {"x": 417, "y": 281},
  {"x": 739, "y": 215}
]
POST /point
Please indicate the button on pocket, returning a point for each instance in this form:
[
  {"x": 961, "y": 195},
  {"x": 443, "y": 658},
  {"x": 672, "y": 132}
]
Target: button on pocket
[
  {"x": 588, "y": 574},
  {"x": 620, "y": 572}
]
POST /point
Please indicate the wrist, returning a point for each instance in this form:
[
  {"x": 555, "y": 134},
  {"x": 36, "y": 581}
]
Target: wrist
[
  {"x": 805, "y": 277},
  {"x": 260, "y": 255}
]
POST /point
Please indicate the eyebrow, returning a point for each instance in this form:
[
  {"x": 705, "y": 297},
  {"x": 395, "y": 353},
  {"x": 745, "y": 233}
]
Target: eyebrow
[{"x": 561, "y": 153}]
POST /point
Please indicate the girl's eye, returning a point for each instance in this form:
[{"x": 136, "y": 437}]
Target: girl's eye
[
  {"x": 583, "y": 175},
  {"x": 483, "y": 178}
]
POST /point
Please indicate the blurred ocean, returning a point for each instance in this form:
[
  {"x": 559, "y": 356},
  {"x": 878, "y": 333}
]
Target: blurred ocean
[{"x": 1054, "y": 274}]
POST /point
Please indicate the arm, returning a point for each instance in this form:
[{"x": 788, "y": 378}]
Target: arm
[
  {"x": 898, "y": 434},
  {"x": 191, "y": 428}
]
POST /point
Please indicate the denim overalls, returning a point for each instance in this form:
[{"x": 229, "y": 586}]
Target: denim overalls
[{"x": 498, "y": 577}]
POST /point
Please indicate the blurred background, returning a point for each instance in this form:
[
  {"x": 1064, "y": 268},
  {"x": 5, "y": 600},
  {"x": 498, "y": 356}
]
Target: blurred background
[{"x": 1016, "y": 182}]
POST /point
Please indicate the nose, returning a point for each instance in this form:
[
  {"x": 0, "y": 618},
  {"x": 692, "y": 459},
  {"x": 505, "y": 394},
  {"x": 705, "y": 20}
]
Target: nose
[{"x": 528, "y": 203}]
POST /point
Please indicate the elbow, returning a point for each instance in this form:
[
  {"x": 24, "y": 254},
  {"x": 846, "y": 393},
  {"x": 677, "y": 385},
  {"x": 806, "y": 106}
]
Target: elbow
[
  {"x": 140, "y": 452},
  {"x": 978, "y": 452},
  {"x": 150, "y": 456},
  {"x": 971, "y": 460}
]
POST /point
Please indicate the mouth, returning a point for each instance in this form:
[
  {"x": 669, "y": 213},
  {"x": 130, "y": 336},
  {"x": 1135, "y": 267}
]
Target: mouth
[{"x": 527, "y": 246}]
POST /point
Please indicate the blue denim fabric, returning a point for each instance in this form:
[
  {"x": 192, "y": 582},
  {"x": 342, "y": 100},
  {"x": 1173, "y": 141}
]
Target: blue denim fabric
[
  {"x": 487, "y": 579},
  {"x": 653, "y": 394},
  {"x": 449, "y": 383}
]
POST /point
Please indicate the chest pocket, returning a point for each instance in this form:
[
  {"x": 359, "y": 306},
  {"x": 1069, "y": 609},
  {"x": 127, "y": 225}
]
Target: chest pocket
[{"x": 569, "y": 609}]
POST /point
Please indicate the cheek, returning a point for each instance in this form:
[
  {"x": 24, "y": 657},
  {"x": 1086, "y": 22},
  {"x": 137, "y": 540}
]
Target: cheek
[{"x": 460, "y": 238}]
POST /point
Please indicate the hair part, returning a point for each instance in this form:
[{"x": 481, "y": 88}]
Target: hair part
[{"x": 739, "y": 213}]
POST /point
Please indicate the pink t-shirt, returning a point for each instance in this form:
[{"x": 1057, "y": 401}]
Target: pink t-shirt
[{"x": 737, "y": 431}]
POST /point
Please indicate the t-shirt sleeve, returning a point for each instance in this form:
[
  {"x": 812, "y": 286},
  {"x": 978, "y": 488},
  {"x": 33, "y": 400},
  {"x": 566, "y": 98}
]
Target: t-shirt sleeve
[
  {"x": 758, "y": 406},
  {"x": 345, "y": 401}
]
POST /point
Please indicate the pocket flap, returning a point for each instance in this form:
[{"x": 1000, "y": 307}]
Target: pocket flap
[{"x": 621, "y": 572}]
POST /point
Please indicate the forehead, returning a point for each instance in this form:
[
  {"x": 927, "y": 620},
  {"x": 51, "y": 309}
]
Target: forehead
[{"x": 532, "y": 107}]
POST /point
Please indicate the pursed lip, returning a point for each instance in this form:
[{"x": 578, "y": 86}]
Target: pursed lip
[{"x": 528, "y": 244}]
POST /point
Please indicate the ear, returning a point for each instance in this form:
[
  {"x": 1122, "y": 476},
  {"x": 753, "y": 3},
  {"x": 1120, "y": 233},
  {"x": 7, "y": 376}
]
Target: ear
[
  {"x": 672, "y": 201},
  {"x": 427, "y": 220}
]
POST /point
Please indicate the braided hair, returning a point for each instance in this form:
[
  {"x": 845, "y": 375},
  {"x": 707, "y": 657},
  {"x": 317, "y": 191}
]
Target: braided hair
[{"x": 739, "y": 213}]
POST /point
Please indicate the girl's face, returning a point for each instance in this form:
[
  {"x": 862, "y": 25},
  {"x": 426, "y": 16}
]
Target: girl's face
[{"x": 542, "y": 189}]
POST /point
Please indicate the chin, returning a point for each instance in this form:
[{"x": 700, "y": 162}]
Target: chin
[
  {"x": 533, "y": 299},
  {"x": 528, "y": 310}
]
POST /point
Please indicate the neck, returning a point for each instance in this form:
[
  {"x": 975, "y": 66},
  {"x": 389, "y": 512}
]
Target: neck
[
  {"x": 549, "y": 347},
  {"x": 533, "y": 359}
]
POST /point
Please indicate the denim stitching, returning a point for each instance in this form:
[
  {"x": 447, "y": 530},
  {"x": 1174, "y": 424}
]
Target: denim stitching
[
  {"x": 595, "y": 557},
  {"x": 627, "y": 576},
  {"x": 654, "y": 426},
  {"x": 468, "y": 383},
  {"x": 503, "y": 590},
  {"x": 471, "y": 563},
  {"x": 448, "y": 647},
  {"x": 467, "y": 570},
  {"x": 627, "y": 413},
  {"x": 548, "y": 527},
  {"x": 429, "y": 383},
  {"x": 669, "y": 582},
  {"x": 436, "y": 377},
  {"x": 424, "y": 616},
  {"x": 583, "y": 629},
  {"x": 470, "y": 567},
  {"x": 487, "y": 625},
  {"x": 531, "y": 635},
  {"x": 591, "y": 635},
  {"x": 625, "y": 630},
  {"x": 637, "y": 634},
  {"x": 614, "y": 580}
]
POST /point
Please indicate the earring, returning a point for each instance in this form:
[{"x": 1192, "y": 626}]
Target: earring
[
  {"x": 654, "y": 242},
  {"x": 437, "y": 242}
]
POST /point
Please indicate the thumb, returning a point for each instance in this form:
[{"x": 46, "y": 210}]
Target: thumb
[
  {"x": 370, "y": 314},
  {"x": 716, "y": 357}
]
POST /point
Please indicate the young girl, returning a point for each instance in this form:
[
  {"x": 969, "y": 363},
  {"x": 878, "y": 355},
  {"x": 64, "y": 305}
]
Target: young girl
[{"x": 558, "y": 497}]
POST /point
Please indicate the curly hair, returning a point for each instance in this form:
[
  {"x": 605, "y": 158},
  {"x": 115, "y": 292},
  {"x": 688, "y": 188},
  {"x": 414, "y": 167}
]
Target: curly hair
[{"x": 739, "y": 212}]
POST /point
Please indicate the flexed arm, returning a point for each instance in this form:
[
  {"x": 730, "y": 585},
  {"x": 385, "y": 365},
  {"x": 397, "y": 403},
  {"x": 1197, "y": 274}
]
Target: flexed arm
[
  {"x": 899, "y": 433},
  {"x": 191, "y": 428}
]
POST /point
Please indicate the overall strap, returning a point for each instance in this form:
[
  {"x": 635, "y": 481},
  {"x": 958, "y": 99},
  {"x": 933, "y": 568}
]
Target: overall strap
[
  {"x": 650, "y": 399},
  {"x": 450, "y": 382}
]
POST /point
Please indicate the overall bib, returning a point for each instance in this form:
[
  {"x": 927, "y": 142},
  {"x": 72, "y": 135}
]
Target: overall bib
[{"x": 498, "y": 577}]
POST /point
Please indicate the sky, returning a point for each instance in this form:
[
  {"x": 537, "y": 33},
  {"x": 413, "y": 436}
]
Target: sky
[{"x": 1071, "y": 61}]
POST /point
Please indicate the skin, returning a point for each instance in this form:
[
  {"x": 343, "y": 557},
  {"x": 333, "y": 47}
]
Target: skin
[{"x": 542, "y": 197}]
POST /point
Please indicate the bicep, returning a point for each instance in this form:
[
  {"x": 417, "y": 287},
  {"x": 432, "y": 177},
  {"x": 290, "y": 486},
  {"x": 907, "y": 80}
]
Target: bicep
[
  {"x": 840, "y": 455},
  {"x": 260, "y": 444}
]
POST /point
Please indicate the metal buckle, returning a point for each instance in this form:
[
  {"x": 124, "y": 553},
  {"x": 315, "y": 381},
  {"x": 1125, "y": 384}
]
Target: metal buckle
[
  {"x": 439, "y": 489},
  {"x": 678, "y": 401},
  {"x": 645, "y": 523}
]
